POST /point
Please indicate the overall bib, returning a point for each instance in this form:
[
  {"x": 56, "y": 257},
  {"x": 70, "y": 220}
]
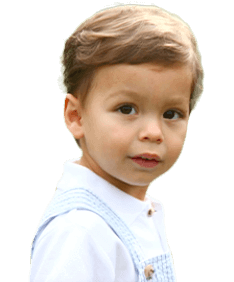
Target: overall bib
[{"x": 157, "y": 269}]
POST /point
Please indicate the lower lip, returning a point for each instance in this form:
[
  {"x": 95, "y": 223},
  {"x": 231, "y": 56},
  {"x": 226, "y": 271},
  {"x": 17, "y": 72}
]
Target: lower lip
[{"x": 145, "y": 163}]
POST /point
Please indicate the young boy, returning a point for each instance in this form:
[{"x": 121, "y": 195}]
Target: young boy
[{"x": 133, "y": 75}]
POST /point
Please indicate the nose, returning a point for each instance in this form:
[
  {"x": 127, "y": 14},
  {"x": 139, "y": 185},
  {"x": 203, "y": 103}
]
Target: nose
[{"x": 153, "y": 132}]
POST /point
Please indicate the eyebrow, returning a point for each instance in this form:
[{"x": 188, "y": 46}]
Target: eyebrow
[
  {"x": 124, "y": 93},
  {"x": 134, "y": 94}
]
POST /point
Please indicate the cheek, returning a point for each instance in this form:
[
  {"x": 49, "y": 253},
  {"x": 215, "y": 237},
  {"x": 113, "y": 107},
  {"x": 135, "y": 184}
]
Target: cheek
[
  {"x": 116, "y": 141},
  {"x": 175, "y": 145},
  {"x": 102, "y": 135},
  {"x": 121, "y": 136}
]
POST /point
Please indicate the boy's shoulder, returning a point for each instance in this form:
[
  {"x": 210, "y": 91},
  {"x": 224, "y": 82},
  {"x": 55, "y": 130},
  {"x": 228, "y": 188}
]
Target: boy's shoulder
[{"x": 85, "y": 225}]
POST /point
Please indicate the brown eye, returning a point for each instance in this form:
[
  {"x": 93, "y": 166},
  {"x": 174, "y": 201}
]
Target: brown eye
[
  {"x": 171, "y": 114},
  {"x": 126, "y": 109}
]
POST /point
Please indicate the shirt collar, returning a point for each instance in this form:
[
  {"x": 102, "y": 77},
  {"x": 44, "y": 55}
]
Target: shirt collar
[{"x": 123, "y": 204}]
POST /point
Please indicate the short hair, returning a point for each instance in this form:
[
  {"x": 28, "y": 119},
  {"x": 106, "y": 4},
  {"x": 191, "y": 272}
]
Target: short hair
[{"x": 129, "y": 34}]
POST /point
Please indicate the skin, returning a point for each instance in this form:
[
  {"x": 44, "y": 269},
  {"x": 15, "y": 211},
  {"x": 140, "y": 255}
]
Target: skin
[{"x": 110, "y": 135}]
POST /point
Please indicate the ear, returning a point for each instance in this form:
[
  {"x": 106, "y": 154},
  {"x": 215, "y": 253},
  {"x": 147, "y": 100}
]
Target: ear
[{"x": 73, "y": 116}]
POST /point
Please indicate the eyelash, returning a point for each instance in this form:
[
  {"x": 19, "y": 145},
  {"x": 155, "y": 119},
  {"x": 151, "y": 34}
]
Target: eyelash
[{"x": 171, "y": 110}]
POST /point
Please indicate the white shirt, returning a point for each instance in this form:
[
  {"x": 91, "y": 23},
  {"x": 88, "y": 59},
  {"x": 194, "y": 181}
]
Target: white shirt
[{"x": 80, "y": 246}]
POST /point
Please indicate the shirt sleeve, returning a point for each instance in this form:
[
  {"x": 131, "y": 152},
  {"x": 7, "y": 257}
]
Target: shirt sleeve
[{"x": 68, "y": 253}]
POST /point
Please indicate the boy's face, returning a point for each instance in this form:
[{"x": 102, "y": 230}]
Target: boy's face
[{"x": 131, "y": 110}]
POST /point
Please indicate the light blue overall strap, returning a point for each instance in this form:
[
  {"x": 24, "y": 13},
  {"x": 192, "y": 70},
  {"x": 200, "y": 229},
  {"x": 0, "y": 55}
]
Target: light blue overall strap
[
  {"x": 84, "y": 199},
  {"x": 163, "y": 269},
  {"x": 81, "y": 198}
]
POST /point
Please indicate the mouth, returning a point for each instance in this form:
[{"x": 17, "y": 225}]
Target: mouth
[
  {"x": 148, "y": 156},
  {"x": 145, "y": 163},
  {"x": 147, "y": 160}
]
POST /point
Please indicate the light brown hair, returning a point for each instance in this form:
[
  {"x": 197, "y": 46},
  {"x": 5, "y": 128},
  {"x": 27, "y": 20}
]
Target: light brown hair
[{"x": 129, "y": 34}]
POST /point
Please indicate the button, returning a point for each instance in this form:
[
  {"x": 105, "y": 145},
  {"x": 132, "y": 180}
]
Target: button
[
  {"x": 149, "y": 271},
  {"x": 151, "y": 211}
]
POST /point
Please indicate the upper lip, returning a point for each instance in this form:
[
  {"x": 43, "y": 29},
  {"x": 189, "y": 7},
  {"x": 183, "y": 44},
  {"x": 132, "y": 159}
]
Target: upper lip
[{"x": 148, "y": 156}]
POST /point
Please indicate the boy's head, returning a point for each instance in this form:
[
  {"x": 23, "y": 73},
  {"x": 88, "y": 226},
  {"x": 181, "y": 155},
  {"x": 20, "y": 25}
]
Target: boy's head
[{"x": 146, "y": 53}]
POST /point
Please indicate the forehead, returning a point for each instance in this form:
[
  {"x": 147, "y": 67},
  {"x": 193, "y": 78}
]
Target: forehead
[{"x": 141, "y": 82}]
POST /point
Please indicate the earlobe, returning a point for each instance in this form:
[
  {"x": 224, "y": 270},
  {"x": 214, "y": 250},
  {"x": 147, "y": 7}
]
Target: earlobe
[{"x": 72, "y": 116}]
